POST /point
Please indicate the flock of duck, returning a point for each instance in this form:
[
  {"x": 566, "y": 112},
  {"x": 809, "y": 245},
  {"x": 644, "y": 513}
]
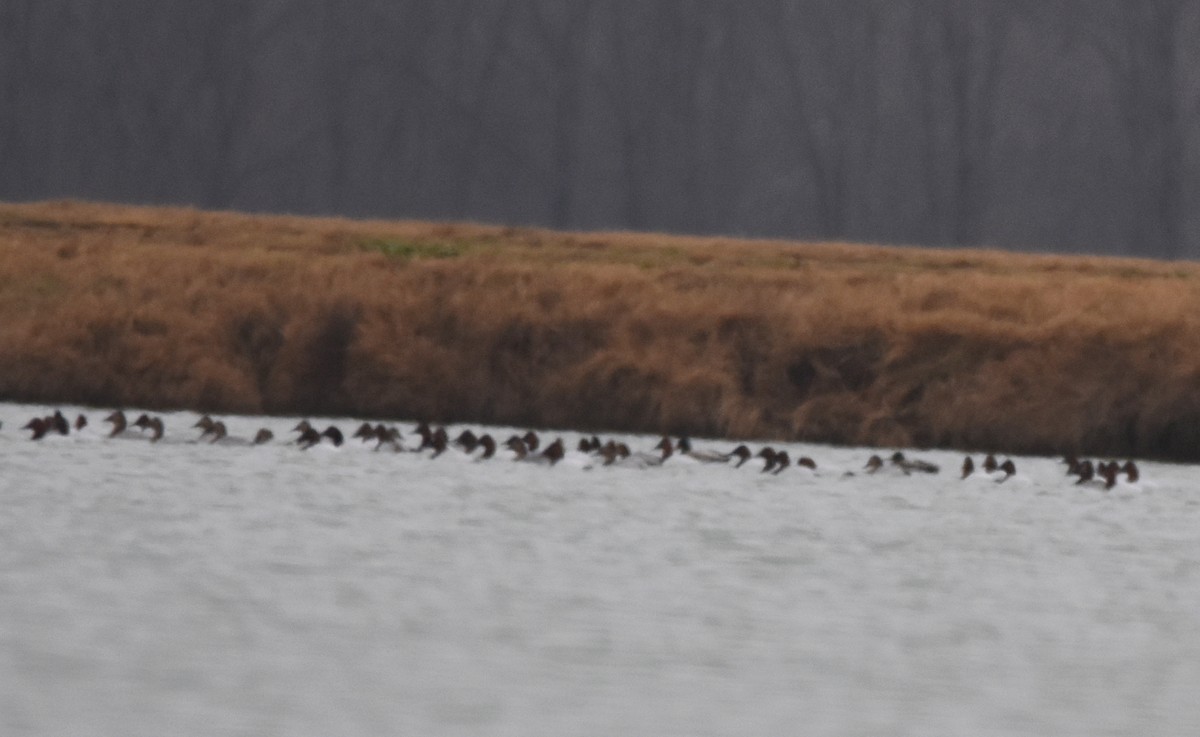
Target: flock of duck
[{"x": 528, "y": 447}]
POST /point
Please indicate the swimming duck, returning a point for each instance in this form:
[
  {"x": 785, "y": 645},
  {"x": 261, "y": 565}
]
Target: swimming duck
[
  {"x": 154, "y": 424},
  {"x": 555, "y": 451},
  {"x": 439, "y": 441},
  {"x": 968, "y": 467},
  {"x": 618, "y": 454},
  {"x": 665, "y": 449},
  {"x": 1073, "y": 465},
  {"x": 389, "y": 436},
  {"x": 263, "y": 436},
  {"x": 1008, "y": 468},
  {"x": 909, "y": 466},
  {"x": 608, "y": 452},
  {"x": 206, "y": 425},
  {"x": 39, "y": 427},
  {"x": 770, "y": 457},
  {"x": 1131, "y": 472},
  {"x": 1085, "y": 470},
  {"x": 467, "y": 440},
  {"x": 117, "y": 418},
  {"x": 742, "y": 453},
  {"x": 308, "y": 436},
  {"x": 531, "y": 440},
  {"x": 684, "y": 446},
  {"x": 551, "y": 455},
  {"x": 59, "y": 424}
]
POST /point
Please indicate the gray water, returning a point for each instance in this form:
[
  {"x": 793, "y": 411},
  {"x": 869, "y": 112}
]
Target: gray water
[{"x": 183, "y": 589}]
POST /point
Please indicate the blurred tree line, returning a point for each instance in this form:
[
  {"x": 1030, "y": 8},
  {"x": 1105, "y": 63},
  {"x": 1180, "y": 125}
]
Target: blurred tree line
[{"x": 1064, "y": 125}]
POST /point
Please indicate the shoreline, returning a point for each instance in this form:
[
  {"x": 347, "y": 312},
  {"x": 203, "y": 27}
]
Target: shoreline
[{"x": 172, "y": 308}]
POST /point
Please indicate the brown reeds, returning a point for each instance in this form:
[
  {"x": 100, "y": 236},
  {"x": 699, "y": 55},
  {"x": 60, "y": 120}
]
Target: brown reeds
[{"x": 155, "y": 307}]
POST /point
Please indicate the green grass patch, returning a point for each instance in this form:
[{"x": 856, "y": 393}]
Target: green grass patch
[{"x": 408, "y": 250}]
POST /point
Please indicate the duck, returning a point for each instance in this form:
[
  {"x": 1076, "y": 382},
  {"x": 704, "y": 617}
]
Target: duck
[
  {"x": 54, "y": 424},
  {"x": 389, "y": 436},
  {"x": 968, "y": 467},
  {"x": 205, "y": 423},
  {"x": 742, "y": 453},
  {"x": 874, "y": 463},
  {"x": 1083, "y": 469},
  {"x": 334, "y": 435},
  {"x": 1111, "y": 471},
  {"x": 611, "y": 452},
  {"x": 1130, "y": 469},
  {"x": 619, "y": 454},
  {"x": 666, "y": 450},
  {"x": 1008, "y": 468},
  {"x": 531, "y": 440},
  {"x": 1101, "y": 474},
  {"x": 488, "y": 444},
  {"x": 684, "y": 446},
  {"x": 468, "y": 441},
  {"x": 219, "y": 435},
  {"x": 207, "y": 426},
  {"x": 59, "y": 424},
  {"x": 909, "y": 466},
  {"x": 81, "y": 422},
  {"x": 153, "y": 424},
  {"x": 215, "y": 432},
  {"x": 1110, "y": 474},
  {"x": 551, "y": 455},
  {"x": 39, "y": 427},
  {"x": 426, "y": 434},
  {"x": 590, "y": 445},
  {"x": 777, "y": 461},
  {"x": 517, "y": 446},
  {"x": 1073, "y": 465},
  {"x": 439, "y": 441},
  {"x": 309, "y": 437},
  {"x": 554, "y": 451},
  {"x": 117, "y": 418}
]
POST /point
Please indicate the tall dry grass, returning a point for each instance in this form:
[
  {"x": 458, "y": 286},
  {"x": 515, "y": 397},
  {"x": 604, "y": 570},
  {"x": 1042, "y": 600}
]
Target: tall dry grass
[{"x": 838, "y": 343}]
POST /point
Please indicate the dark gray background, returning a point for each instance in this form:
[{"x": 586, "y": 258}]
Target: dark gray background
[{"x": 1065, "y": 125}]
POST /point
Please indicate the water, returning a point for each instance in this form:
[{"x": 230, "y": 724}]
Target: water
[{"x": 187, "y": 589}]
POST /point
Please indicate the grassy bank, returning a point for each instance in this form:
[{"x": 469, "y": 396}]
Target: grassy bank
[{"x": 113, "y": 305}]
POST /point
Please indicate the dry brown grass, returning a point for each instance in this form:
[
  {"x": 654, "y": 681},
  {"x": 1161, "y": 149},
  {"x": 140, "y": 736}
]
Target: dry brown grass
[{"x": 112, "y": 305}]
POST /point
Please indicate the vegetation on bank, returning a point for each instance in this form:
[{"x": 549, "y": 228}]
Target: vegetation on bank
[{"x": 839, "y": 343}]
